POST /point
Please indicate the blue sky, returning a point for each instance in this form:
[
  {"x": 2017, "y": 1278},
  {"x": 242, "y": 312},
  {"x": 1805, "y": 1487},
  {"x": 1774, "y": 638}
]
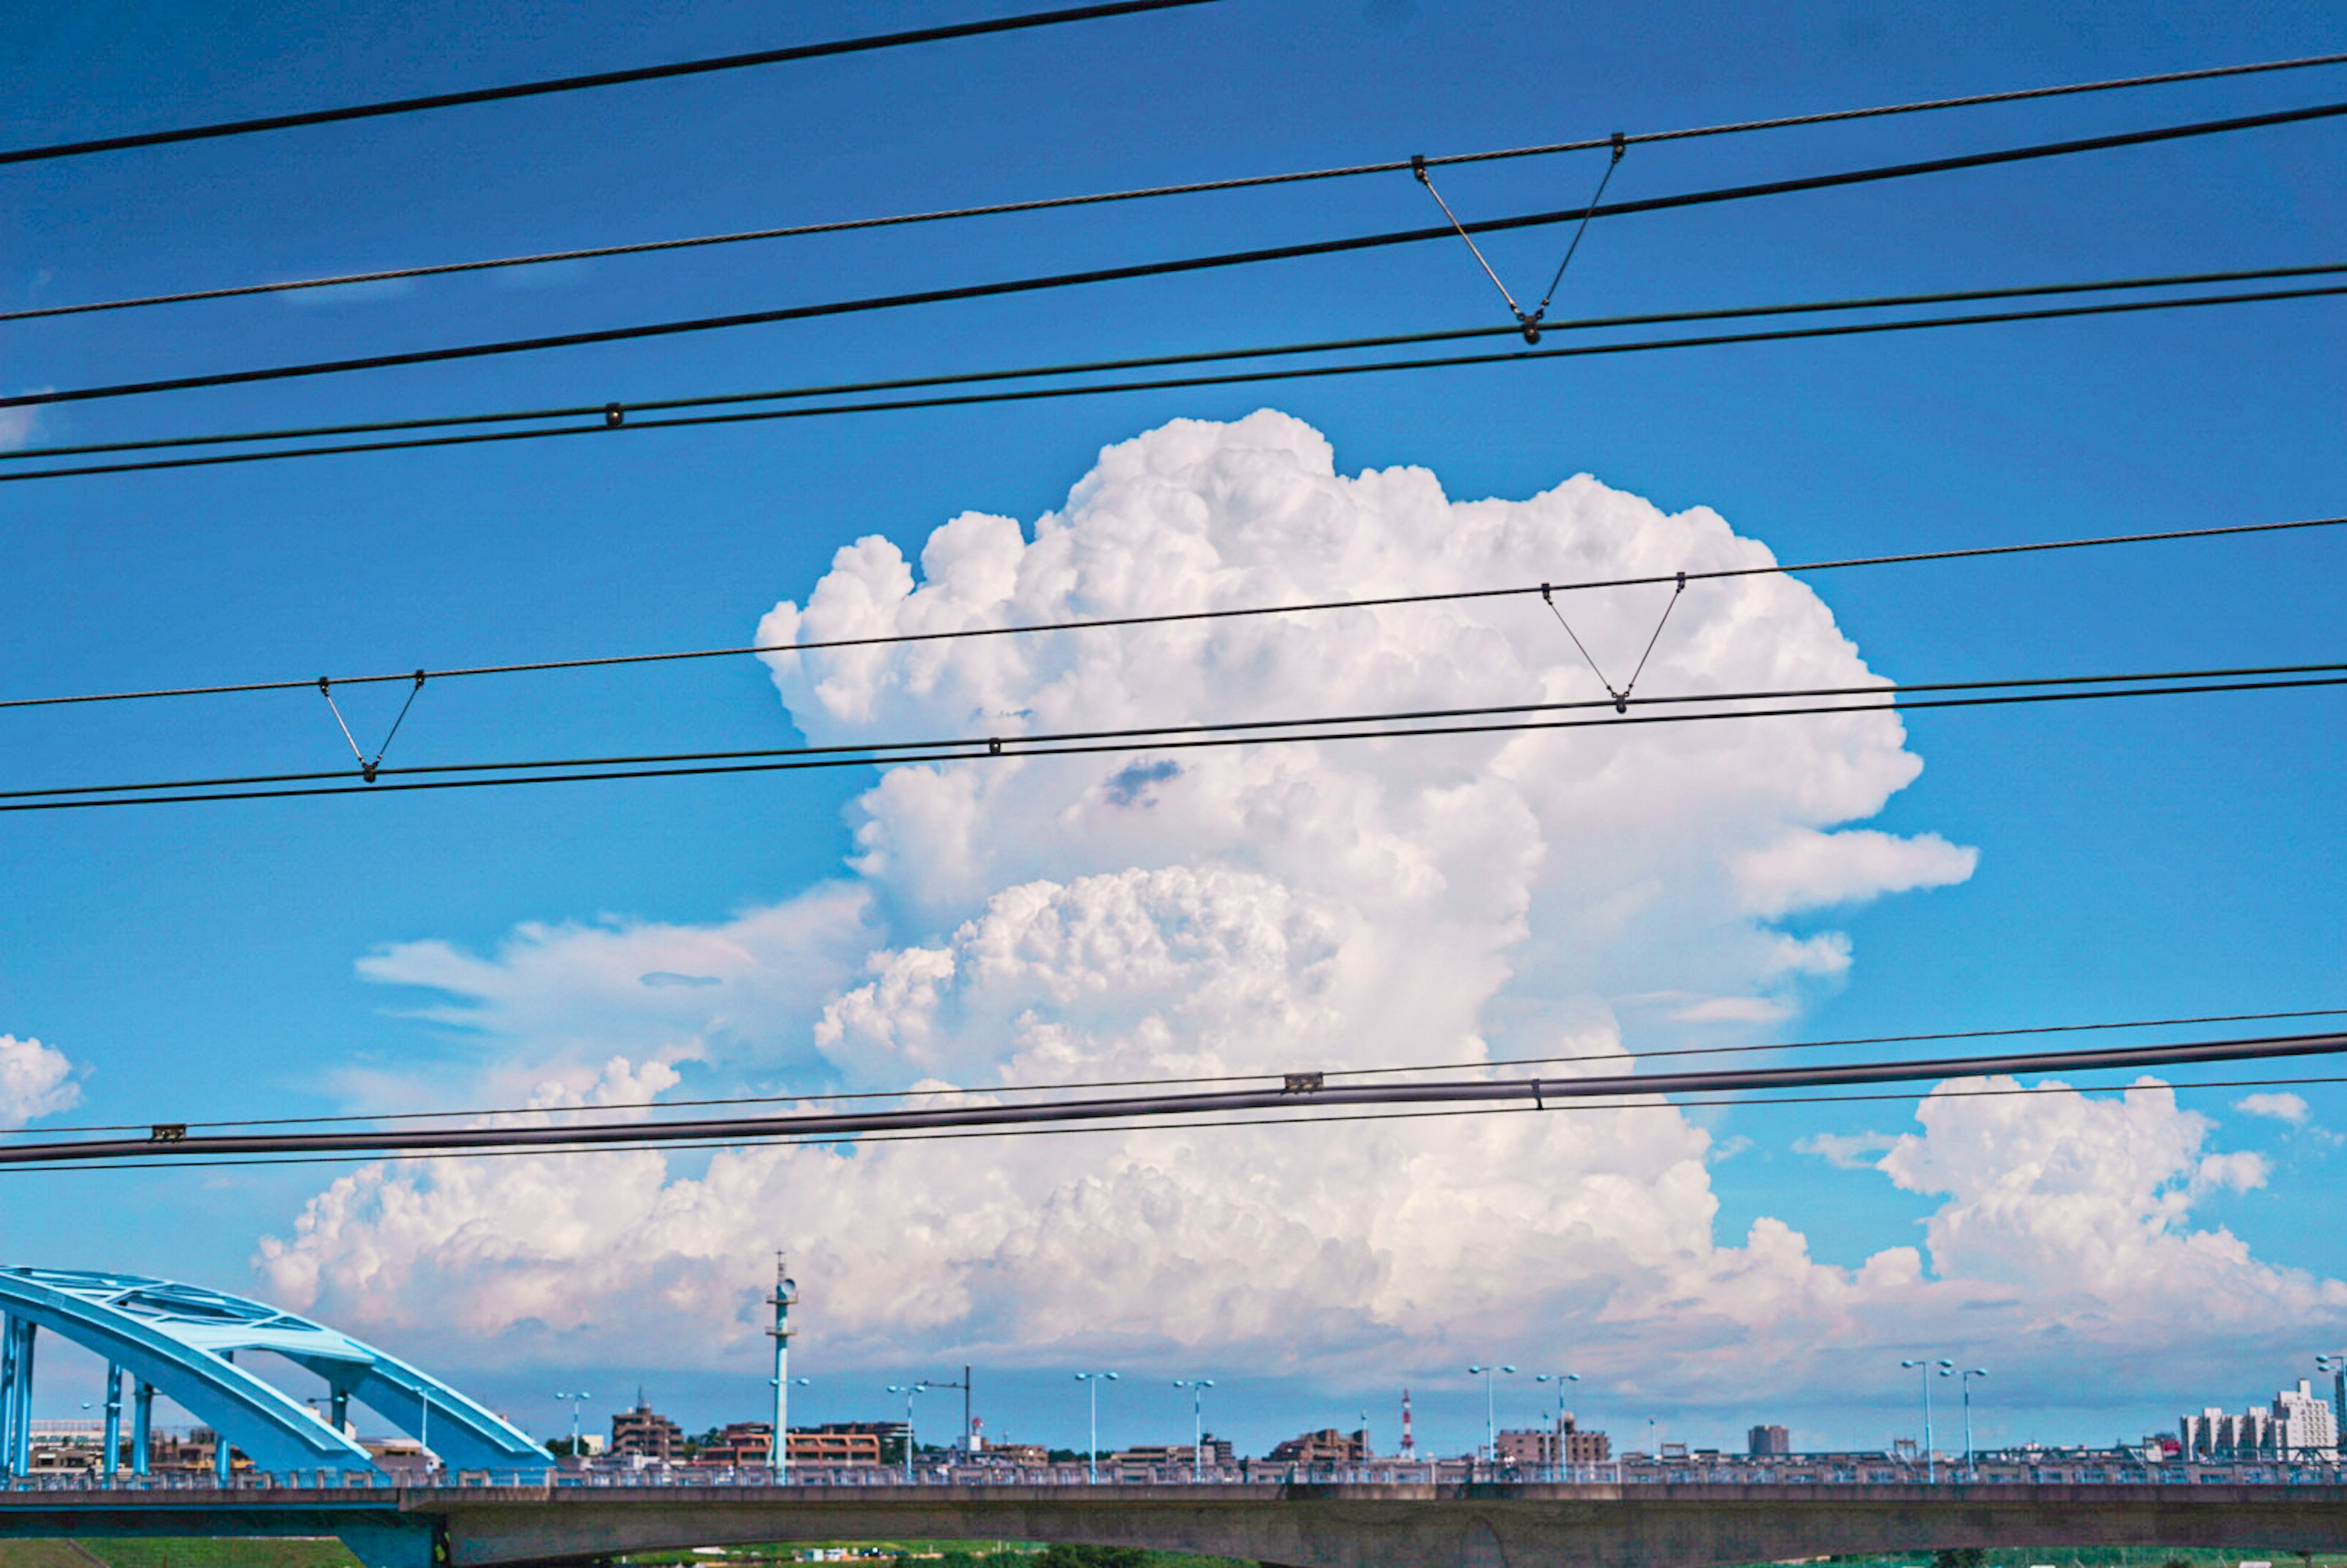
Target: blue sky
[{"x": 2136, "y": 859}]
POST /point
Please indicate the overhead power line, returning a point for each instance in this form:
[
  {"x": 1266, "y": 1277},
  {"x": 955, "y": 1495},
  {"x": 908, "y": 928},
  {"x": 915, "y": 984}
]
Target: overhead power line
[
  {"x": 615, "y": 414},
  {"x": 483, "y": 1112},
  {"x": 1178, "y": 617},
  {"x": 1174, "y": 737},
  {"x": 1181, "y": 265},
  {"x": 1305, "y": 1092},
  {"x": 1202, "y": 1124},
  {"x": 1244, "y": 182},
  {"x": 593, "y": 79}
]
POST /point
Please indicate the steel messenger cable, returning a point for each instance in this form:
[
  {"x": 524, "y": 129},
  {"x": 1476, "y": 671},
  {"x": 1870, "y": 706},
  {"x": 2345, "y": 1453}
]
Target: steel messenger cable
[
  {"x": 1187, "y": 264},
  {"x": 1167, "y": 1083},
  {"x": 1179, "y": 617},
  {"x": 1306, "y": 1090},
  {"x": 1240, "y": 378},
  {"x": 1242, "y": 183},
  {"x": 646, "y": 74},
  {"x": 616, "y": 416},
  {"x": 1647, "y": 1103},
  {"x": 1410, "y": 725}
]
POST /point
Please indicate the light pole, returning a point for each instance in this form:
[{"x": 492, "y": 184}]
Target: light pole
[
  {"x": 1560, "y": 1379},
  {"x": 1198, "y": 1386},
  {"x": 1091, "y": 1454},
  {"x": 908, "y": 1390},
  {"x": 779, "y": 1455},
  {"x": 576, "y": 1400},
  {"x": 1931, "y": 1471},
  {"x": 1964, "y": 1381},
  {"x": 1491, "y": 1418},
  {"x": 2336, "y": 1365},
  {"x": 784, "y": 1296}
]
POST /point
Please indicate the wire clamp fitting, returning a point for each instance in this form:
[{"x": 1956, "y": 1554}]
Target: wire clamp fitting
[
  {"x": 993, "y": 746},
  {"x": 614, "y": 416}
]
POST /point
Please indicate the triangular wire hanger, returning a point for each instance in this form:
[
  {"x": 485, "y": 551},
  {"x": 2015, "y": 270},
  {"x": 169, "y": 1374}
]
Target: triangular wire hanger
[
  {"x": 367, "y": 769},
  {"x": 1528, "y": 322}
]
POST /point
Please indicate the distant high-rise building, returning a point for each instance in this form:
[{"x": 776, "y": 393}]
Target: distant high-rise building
[
  {"x": 645, "y": 1433},
  {"x": 2300, "y": 1423},
  {"x": 1768, "y": 1440},
  {"x": 1564, "y": 1443},
  {"x": 2304, "y": 1422}
]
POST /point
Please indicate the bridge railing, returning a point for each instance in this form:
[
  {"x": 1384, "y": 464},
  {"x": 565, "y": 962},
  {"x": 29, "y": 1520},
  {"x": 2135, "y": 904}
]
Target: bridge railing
[{"x": 1633, "y": 1474}]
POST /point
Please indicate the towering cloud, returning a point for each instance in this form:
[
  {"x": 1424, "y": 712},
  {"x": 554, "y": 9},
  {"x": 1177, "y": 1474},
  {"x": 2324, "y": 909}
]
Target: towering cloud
[{"x": 1209, "y": 911}]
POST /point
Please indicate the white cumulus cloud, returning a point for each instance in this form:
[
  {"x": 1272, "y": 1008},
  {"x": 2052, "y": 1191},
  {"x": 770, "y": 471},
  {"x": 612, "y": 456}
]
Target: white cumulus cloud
[
  {"x": 1254, "y": 908},
  {"x": 2283, "y": 1106},
  {"x": 36, "y": 1080},
  {"x": 1806, "y": 870}
]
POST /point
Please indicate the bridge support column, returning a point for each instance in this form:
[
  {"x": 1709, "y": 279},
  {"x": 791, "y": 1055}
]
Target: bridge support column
[
  {"x": 16, "y": 1376},
  {"x": 223, "y": 1461},
  {"x": 7, "y": 1396},
  {"x": 142, "y": 1425},
  {"x": 112, "y": 1450}
]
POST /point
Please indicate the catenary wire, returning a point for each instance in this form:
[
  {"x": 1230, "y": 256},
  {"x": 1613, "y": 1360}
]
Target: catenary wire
[
  {"x": 835, "y": 1126},
  {"x": 89, "y": 798},
  {"x": 594, "y": 253},
  {"x": 1240, "y": 378},
  {"x": 1179, "y": 265},
  {"x": 1646, "y": 1103},
  {"x": 539, "y": 88},
  {"x": 612, "y": 415},
  {"x": 1910, "y": 557},
  {"x": 1139, "y": 737},
  {"x": 1208, "y": 1078}
]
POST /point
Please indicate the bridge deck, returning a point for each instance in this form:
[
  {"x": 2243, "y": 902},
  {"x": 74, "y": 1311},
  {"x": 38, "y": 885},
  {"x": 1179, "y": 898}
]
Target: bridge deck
[{"x": 1303, "y": 1525}]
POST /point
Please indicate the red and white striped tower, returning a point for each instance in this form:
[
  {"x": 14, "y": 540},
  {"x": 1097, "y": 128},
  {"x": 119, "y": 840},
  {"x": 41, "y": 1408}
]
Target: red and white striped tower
[{"x": 1409, "y": 1442}]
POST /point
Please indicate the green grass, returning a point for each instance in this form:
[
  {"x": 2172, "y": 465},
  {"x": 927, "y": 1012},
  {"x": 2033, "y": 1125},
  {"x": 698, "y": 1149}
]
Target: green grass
[
  {"x": 912, "y": 1553},
  {"x": 190, "y": 1552}
]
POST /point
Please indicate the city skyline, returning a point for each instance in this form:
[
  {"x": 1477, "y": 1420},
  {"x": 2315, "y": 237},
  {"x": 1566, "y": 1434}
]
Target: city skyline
[{"x": 2115, "y": 1248}]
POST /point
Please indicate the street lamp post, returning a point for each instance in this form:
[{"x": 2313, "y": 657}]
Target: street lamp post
[
  {"x": 1091, "y": 1454},
  {"x": 908, "y": 1390},
  {"x": 1560, "y": 1379},
  {"x": 1491, "y": 1416},
  {"x": 1931, "y": 1470},
  {"x": 1198, "y": 1386},
  {"x": 576, "y": 1400},
  {"x": 2336, "y": 1365},
  {"x": 1964, "y": 1381}
]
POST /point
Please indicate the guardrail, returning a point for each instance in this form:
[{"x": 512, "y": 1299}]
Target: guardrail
[{"x": 1793, "y": 1473}]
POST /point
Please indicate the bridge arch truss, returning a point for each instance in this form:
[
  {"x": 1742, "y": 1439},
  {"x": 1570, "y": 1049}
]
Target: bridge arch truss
[{"x": 182, "y": 1340}]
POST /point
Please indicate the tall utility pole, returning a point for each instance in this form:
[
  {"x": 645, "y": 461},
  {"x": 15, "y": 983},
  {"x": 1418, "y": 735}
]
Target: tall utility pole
[{"x": 785, "y": 1297}]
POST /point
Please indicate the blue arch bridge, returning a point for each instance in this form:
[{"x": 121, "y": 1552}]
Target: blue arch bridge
[{"x": 510, "y": 1508}]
